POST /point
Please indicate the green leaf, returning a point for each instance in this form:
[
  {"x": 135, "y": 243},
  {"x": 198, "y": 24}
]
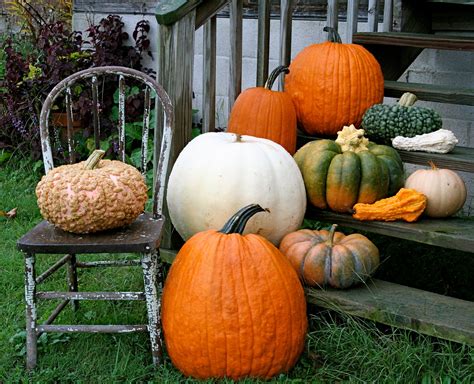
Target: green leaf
[
  {"x": 136, "y": 158},
  {"x": 195, "y": 132},
  {"x": 134, "y": 130},
  {"x": 4, "y": 155},
  {"x": 114, "y": 114}
]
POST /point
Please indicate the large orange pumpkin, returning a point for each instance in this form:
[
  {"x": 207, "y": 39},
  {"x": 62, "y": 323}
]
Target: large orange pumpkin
[
  {"x": 261, "y": 112},
  {"x": 333, "y": 84},
  {"x": 232, "y": 305}
]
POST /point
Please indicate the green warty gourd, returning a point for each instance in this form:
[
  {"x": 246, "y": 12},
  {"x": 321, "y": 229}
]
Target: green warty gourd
[{"x": 383, "y": 122}]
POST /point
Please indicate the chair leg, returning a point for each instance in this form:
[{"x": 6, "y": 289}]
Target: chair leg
[
  {"x": 30, "y": 298},
  {"x": 72, "y": 280},
  {"x": 151, "y": 279}
]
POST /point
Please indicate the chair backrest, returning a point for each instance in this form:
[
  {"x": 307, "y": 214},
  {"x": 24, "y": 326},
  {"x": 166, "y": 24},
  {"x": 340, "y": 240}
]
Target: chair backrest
[{"x": 161, "y": 153}]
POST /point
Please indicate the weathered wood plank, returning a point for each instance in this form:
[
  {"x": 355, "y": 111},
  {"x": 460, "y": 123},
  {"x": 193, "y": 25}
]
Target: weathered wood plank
[
  {"x": 449, "y": 42},
  {"x": 91, "y": 295},
  {"x": 403, "y": 307},
  {"x": 453, "y": 233},
  {"x": 352, "y": 19},
  {"x": 92, "y": 328},
  {"x": 175, "y": 74},
  {"x": 333, "y": 14},
  {"x": 170, "y": 11},
  {"x": 207, "y": 9},
  {"x": 431, "y": 92},
  {"x": 387, "y": 16},
  {"x": 460, "y": 159},
  {"x": 133, "y": 7},
  {"x": 373, "y": 15},
  {"x": 263, "y": 43},
  {"x": 209, "y": 77},
  {"x": 235, "y": 66}
]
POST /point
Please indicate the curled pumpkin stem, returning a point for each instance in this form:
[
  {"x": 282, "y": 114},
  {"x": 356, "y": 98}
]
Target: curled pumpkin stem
[
  {"x": 274, "y": 75},
  {"x": 333, "y": 36}
]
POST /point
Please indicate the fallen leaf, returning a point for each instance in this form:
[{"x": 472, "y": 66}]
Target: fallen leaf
[{"x": 10, "y": 214}]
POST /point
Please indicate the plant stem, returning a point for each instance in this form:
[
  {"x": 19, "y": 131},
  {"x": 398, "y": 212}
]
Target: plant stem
[{"x": 236, "y": 224}]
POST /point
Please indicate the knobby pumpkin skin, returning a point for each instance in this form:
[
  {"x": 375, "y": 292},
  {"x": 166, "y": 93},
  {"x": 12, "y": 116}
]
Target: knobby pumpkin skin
[
  {"x": 330, "y": 258},
  {"x": 261, "y": 112},
  {"x": 337, "y": 179},
  {"x": 407, "y": 205},
  {"x": 219, "y": 172},
  {"x": 444, "y": 189},
  {"x": 333, "y": 84},
  {"x": 92, "y": 195},
  {"x": 233, "y": 306}
]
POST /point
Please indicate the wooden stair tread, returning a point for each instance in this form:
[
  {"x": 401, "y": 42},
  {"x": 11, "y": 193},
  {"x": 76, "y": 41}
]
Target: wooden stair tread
[
  {"x": 453, "y": 233},
  {"x": 461, "y": 2},
  {"x": 419, "y": 40},
  {"x": 431, "y": 92},
  {"x": 404, "y": 307},
  {"x": 460, "y": 159}
]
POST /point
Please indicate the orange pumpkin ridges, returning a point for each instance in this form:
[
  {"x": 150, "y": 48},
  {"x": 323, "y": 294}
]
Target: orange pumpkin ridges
[
  {"x": 330, "y": 258},
  {"x": 407, "y": 205},
  {"x": 261, "y": 112},
  {"x": 232, "y": 305},
  {"x": 332, "y": 84}
]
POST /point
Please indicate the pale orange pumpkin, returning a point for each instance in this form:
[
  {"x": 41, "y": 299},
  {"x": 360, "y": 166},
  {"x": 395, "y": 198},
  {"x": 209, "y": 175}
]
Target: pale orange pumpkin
[
  {"x": 232, "y": 305},
  {"x": 444, "y": 189},
  {"x": 261, "y": 112},
  {"x": 333, "y": 84}
]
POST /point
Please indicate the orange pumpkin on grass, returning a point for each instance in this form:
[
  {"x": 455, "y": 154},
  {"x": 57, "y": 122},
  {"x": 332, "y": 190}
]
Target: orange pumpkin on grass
[{"x": 232, "y": 305}]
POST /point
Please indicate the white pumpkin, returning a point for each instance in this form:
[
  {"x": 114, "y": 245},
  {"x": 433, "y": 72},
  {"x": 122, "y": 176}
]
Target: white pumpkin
[
  {"x": 216, "y": 174},
  {"x": 445, "y": 191}
]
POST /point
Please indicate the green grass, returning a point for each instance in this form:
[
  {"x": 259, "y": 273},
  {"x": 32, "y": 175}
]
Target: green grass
[{"x": 339, "y": 348}]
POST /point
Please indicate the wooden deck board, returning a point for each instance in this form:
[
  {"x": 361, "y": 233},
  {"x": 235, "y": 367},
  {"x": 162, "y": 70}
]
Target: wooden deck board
[
  {"x": 403, "y": 307},
  {"x": 430, "y": 92},
  {"x": 434, "y": 41},
  {"x": 453, "y": 233}
]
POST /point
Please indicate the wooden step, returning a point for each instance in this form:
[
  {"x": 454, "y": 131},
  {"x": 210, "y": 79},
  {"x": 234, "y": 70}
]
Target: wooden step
[
  {"x": 460, "y": 159},
  {"x": 453, "y": 233},
  {"x": 403, "y": 307},
  {"x": 430, "y": 92},
  {"x": 416, "y": 40}
]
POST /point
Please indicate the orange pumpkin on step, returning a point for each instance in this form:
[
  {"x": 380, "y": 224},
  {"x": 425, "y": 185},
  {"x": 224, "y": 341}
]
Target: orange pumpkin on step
[
  {"x": 333, "y": 84},
  {"x": 261, "y": 112},
  {"x": 232, "y": 305}
]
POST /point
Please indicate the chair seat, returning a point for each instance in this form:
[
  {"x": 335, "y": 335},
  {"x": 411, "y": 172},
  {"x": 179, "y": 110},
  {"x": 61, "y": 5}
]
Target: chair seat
[{"x": 143, "y": 235}]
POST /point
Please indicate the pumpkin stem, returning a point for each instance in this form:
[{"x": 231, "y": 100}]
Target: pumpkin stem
[
  {"x": 236, "y": 224},
  {"x": 94, "y": 159},
  {"x": 333, "y": 36},
  {"x": 238, "y": 137},
  {"x": 330, "y": 239},
  {"x": 407, "y": 99},
  {"x": 273, "y": 76},
  {"x": 432, "y": 165}
]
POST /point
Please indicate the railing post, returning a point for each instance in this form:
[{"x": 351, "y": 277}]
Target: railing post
[
  {"x": 286, "y": 15},
  {"x": 235, "y": 85},
  {"x": 175, "y": 74},
  {"x": 388, "y": 16},
  {"x": 352, "y": 18},
  {"x": 373, "y": 15},
  {"x": 209, "y": 77},
  {"x": 333, "y": 14},
  {"x": 263, "y": 50}
]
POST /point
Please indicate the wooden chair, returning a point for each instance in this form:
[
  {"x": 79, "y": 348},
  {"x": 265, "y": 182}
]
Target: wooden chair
[{"x": 142, "y": 237}]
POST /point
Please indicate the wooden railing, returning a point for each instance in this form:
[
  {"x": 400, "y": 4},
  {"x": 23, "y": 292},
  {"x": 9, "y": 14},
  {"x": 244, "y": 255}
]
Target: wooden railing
[{"x": 179, "y": 19}]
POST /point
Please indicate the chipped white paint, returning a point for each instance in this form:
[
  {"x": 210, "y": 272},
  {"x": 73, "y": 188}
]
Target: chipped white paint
[
  {"x": 31, "y": 315},
  {"x": 121, "y": 122}
]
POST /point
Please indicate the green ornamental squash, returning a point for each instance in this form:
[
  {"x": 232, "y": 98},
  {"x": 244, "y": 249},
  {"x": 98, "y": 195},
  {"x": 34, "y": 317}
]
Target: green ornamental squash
[
  {"x": 383, "y": 122},
  {"x": 338, "y": 174}
]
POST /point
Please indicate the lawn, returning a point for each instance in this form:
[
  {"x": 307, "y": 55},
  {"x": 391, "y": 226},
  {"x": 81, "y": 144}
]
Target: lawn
[{"x": 338, "y": 349}]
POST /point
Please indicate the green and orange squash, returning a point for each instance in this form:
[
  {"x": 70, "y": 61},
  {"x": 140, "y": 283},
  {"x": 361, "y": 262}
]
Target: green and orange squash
[{"x": 338, "y": 174}]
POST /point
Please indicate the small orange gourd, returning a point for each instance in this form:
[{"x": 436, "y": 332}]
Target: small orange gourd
[
  {"x": 407, "y": 205},
  {"x": 232, "y": 305},
  {"x": 330, "y": 258},
  {"x": 261, "y": 112}
]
